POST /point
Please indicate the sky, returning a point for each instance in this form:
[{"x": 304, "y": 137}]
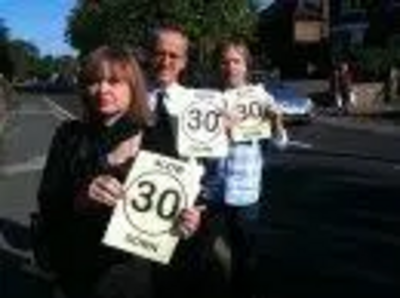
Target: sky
[{"x": 42, "y": 22}]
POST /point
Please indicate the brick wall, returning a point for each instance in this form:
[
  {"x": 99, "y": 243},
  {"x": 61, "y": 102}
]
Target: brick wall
[{"x": 369, "y": 97}]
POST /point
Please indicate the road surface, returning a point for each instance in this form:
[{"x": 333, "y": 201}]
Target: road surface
[{"x": 331, "y": 220}]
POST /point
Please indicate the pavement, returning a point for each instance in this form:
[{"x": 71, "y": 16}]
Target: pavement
[
  {"x": 386, "y": 120},
  {"x": 5, "y": 102},
  {"x": 3, "y": 121},
  {"x": 3, "y": 113}
]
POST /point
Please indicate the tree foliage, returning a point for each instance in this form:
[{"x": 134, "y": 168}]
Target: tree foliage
[
  {"x": 21, "y": 60},
  {"x": 24, "y": 56},
  {"x": 374, "y": 63},
  {"x": 3, "y": 31},
  {"x": 207, "y": 22},
  {"x": 92, "y": 23},
  {"x": 5, "y": 66}
]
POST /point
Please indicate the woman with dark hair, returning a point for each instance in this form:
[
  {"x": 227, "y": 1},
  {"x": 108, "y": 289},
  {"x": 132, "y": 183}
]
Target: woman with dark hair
[{"x": 82, "y": 180}]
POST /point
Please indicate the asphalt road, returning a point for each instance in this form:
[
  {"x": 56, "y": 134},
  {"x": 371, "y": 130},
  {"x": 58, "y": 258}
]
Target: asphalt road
[
  {"x": 332, "y": 228},
  {"x": 331, "y": 225},
  {"x": 22, "y": 153}
]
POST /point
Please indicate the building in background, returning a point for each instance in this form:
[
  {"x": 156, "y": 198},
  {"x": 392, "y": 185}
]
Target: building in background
[
  {"x": 349, "y": 23},
  {"x": 303, "y": 37},
  {"x": 295, "y": 36}
]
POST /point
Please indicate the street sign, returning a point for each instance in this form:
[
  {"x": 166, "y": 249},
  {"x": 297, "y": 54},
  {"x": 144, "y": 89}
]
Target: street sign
[
  {"x": 156, "y": 190},
  {"x": 201, "y": 131},
  {"x": 308, "y": 31},
  {"x": 248, "y": 105}
]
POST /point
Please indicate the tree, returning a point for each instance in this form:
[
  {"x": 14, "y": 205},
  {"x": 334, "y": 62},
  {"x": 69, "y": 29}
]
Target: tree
[
  {"x": 86, "y": 28},
  {"x": 3, "y": 31},
  {"x": 6, "y": 65},
  {"x": 275, "y": 33},
  {"x": 379, "y": 23},
  {"x": 21, "y": 60},
  {"x": 207, "y": 22},
  {"x": 24, "y": 56}
]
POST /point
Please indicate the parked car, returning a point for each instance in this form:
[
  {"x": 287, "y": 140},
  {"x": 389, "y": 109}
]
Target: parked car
[{"x": 295, "y": 106}]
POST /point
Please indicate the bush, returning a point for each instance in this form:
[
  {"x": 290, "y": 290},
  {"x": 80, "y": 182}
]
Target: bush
[{"x": 373, "y": 64}]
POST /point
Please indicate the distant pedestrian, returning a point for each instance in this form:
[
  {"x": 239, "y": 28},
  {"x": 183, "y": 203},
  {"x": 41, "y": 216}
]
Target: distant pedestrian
[
  {"x": 342, "y": 86},
  {"x": 393, "y": 85}
]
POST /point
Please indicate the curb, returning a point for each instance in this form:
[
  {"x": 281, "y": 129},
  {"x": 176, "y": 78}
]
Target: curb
[
  {"x": 348, "y": 122},
  {"x": 6, "y": 94},
  {"x": 3, "y": 122}
]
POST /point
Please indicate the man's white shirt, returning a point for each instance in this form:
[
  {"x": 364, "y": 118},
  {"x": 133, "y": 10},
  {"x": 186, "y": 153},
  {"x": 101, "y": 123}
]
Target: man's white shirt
[
  {"x": 176, "y": 96},
  {"x": 196, "y": 119}
]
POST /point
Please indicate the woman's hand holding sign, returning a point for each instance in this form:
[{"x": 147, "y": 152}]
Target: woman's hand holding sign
[
  {"x": 230, "y": 120},
  {"x": 189, "y": 220},
  {"x": 105, "y": 189}
]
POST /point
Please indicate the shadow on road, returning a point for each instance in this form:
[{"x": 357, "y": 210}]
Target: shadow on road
[
  {"x": 15, "y": 234},
  {"x": 19, "y": 277},
  {"x": 332, "y": 228}
]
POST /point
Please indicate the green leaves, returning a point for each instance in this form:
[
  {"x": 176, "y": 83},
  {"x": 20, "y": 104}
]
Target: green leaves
[{"x": 129, "y": 22}]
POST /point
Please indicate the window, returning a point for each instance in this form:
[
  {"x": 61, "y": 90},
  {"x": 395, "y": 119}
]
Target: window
[
  {"x": 351, "y": 5},
  {"x": 314, "y": 5}
]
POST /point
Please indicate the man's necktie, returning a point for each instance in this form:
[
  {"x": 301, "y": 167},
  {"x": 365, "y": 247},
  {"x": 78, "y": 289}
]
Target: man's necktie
[
  {"x": 163, "y": 125},
  {"x": 161, "y": 112}
]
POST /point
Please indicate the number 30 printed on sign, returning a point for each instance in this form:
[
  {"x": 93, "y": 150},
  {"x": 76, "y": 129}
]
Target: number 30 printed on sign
[
  {"x": 157, "y": 198},
  {"x": 249, "y": 104},
  {"x": 156, "y": 190},
  {"x": 201, "y": 129}
]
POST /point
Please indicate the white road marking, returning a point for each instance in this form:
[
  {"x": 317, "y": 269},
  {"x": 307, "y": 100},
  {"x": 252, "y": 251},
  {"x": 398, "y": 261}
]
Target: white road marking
[
  {"x": 34, "y": 164},
  {"x": 299, "y": 144},
  {"x": 57, "y": 110}
]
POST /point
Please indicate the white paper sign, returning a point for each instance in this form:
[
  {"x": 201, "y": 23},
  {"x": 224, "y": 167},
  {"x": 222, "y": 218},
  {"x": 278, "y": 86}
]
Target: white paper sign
[
  {"x": 248, "y": 105},
  {"x": 157, "y": 189},
  {"x": 201, "y": 130}
]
